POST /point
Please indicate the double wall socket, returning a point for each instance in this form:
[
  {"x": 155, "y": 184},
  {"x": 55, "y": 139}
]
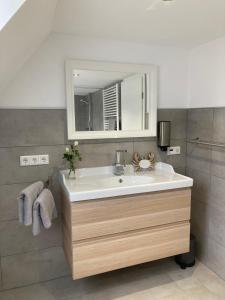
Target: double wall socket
[{"x": 34, "y": 160}]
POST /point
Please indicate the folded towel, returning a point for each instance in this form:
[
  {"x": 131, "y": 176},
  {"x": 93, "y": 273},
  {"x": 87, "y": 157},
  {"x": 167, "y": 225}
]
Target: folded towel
[
  {"x": 26, "y": 200},
  {"x": 44, "y": 210}
]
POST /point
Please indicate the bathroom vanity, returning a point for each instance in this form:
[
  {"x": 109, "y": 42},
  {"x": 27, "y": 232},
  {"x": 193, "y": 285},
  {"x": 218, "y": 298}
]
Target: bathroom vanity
[{"x": 112, "y": 222}]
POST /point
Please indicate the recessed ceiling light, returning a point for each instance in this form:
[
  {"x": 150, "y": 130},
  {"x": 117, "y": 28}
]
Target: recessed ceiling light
[{"x": 76, "y": 74}]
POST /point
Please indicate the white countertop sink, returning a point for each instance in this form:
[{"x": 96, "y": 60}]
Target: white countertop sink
[{"x": 95, "y": 183}]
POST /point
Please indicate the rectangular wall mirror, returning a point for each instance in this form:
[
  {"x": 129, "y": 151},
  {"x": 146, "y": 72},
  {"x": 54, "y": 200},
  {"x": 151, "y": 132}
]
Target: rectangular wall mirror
[{"x": 110, "y": 100}]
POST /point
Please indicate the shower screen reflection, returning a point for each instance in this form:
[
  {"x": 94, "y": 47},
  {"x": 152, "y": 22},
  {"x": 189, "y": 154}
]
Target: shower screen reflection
[{"x": 110, "y": 100}]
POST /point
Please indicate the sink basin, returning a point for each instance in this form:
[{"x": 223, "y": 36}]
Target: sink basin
[
  {"x": 125, "y": 180},
  {"x": 95, "y": 183}
]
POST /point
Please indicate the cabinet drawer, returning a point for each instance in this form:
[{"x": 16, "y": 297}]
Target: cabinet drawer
[
  {"x": 114, "y": 215},
  {"x": 104, "y": 254}
]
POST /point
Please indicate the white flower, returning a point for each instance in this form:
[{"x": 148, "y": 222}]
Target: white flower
[
  {"x": 76, "y": 143},
  {"x": 67, "y": 149}
]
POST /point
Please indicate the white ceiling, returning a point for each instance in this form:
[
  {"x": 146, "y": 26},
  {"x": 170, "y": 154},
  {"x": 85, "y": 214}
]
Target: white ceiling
[
  {"x": 91, "y": 81},
  {"x": 182, "y": 23}
]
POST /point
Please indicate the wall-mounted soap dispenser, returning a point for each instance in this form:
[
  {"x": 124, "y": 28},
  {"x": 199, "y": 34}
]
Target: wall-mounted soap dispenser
[{"x": 163, "y": 134}]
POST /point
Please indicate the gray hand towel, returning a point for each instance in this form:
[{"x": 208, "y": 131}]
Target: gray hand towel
[
  {"x": 44, "y": 210},
  {"x": 26, "y": 200}
]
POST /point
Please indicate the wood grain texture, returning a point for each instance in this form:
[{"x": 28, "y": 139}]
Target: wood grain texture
[
  {"x": 107, "y": 234},
  {"x": 126, "y": 249},
  {"x": 113, "y": 215},
  {"x": 67, "y": 229}
]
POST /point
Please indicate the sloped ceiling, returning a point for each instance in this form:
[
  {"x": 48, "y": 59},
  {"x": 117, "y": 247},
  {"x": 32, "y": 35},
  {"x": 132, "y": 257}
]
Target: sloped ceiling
[
  {"x": 177, "y": 23},
  {"x": 22, "y": 35},
  {"x": 180, "y": 23}
]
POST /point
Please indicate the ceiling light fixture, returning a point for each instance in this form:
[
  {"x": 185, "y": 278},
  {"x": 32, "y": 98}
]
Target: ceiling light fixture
[{"x": 76, "y": 74}]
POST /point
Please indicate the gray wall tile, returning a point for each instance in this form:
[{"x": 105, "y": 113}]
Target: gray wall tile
[
  {"x": 199, "y": 217},
  {"x": 216, "y": 257},
  {"x": 27, "y": 127},
  {"x": 16, "y": 238},
  {"x": 216, "y": 225},
  {"x": 33, "y": 292},
  {"x": 199, "y": 158},
  {"x": 73, "y": 290},
  {"x": 200, "y": 123},
  {"x": 0, "y": 275},
  {"x": 217, "y": 193},
  {"x": 94, "y": 155},
  {"x": 8, "y": 201},
  {"x": 206, "y": 165},
  {"x": 31, "y": 267},
  {"x": 30, "y": 135},
  {"x": 218, "y": 162},
  {"x": 13, "y": 173},
  {"x": 52, "y": 264},
  {"x": 219, "y": 125},
  {"x": 201, "y": 186},
  {"x": 19, "y": 270},
  {"x": 178, "y": 118},
  {"x": 26, "y": 259}
]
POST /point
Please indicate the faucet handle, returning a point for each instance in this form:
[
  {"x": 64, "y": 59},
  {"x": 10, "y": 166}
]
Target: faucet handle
[{"x": 118, "y": 157}]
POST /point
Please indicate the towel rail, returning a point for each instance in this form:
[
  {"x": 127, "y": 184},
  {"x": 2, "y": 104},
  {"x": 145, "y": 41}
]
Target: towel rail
[{"x": 200, "y": 142}]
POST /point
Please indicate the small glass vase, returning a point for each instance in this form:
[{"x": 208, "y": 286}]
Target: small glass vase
[{"x": 72, "y": 174}]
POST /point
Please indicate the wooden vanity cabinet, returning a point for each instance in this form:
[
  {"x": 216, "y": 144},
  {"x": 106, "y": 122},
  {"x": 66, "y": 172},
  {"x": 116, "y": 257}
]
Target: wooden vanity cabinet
[{"x": 107, "y": 234}]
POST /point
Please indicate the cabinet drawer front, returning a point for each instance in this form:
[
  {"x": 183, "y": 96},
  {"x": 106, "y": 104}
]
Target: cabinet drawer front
[
  {"x": 108, "y": 216},
  {"x": 125, "y": 249}
]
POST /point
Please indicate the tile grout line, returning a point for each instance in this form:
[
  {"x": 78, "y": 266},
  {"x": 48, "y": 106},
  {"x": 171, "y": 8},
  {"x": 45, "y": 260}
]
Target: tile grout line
[
  {"x": 32, "y": 146},
  {"x": 133, "y": 142},
  {"x": 211, "y": 155},
  {"x": 1, "y": 274},
  {"x": 31, "y": 251},
  {"x": 32, "y": 284}
]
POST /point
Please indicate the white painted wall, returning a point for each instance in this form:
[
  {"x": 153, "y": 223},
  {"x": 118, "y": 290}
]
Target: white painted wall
[
  {"x": 22, "y": 35},
  {"x": 8, "y": 9},
  {"x": 207, "y": 75},
  {"x": 41, "y": 81}
]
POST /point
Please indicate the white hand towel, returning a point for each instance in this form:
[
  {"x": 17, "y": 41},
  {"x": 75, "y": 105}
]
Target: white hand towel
[
  {"x": 44, "y": 210},
  {"x": 26, "y": 200}
]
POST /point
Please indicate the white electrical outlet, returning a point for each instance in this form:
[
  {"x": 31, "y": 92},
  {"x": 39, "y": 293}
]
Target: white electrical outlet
[
  {"x": 173, "y": 150},
  {"x": 24, "y": 161},
  {"x": 34, "y": 160},
  {"x": 43, "y": 159}
]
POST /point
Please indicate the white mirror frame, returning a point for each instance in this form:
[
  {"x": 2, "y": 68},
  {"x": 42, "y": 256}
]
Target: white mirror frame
[{"x": 71, "y": 65}]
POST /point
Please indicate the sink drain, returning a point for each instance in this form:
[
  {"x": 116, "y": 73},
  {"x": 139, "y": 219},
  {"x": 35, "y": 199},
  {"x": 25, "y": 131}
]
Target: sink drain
[{"x": 120, "y": 180}]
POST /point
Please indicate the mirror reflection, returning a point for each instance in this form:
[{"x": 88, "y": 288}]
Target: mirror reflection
[{"x": 111, "y": 101}]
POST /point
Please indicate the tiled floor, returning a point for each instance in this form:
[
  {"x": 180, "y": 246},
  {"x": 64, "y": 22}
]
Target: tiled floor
[{"x": 159, "y": 280}]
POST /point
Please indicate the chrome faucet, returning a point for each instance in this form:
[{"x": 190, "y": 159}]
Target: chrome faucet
[{"x": 119, "y": 167}]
